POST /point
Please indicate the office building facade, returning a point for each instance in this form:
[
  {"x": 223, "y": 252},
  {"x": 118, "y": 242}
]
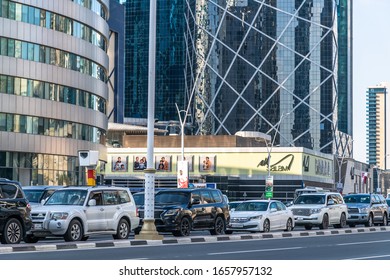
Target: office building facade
[
  {"x": 53, "y": 91},
  {"x": 269, "y": 66}
]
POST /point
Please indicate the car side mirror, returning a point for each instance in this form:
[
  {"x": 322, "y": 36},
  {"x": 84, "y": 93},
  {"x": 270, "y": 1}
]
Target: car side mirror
[
  {"x": 331, "y": 202},
  {"x": 43, "y": 201},
  {"x": 195, "y": 201},
  {"x": 92, "y": 202},
  {"x": 273, "y": 210}
]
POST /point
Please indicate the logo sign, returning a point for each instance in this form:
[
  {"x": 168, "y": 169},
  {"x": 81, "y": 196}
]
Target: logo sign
[{"x": 269, "y": 187}]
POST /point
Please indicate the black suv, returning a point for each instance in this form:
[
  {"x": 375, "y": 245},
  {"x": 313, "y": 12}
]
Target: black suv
[
  {"x": 15, "y": 210},
  {"x": 181, "y": 210}
]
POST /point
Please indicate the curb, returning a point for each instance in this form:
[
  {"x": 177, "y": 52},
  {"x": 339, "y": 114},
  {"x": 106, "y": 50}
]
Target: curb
[{"x": 185, "y": 240}]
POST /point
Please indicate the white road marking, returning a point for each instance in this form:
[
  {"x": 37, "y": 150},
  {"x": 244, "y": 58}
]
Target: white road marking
[
  {"x": 363, "y": 242},
  {"x": 371, "y": 257},
  {"x": 252, "y": 251}
]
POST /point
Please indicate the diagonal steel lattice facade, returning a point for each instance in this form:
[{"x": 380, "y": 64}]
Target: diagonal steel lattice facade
[{"x": 264, "y": 65}]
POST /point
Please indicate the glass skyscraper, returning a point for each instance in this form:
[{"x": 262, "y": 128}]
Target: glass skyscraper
[
  {"x": 267, "y": 66},
  {"x": 170, "y": 59}
]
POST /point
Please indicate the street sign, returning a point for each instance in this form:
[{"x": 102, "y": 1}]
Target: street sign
[{"x": 269, "y": 187}]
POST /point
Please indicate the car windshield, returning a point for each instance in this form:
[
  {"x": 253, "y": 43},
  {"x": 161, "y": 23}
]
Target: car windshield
[
  {"x": 252, "y": 206},
  {"x": 67, "y": 197},
  {"x": 172, "y": 198},
  {"x": 310, "y": 199},
  {"x": 357, "y": 199},
  {"x": 34, "y": 195}
]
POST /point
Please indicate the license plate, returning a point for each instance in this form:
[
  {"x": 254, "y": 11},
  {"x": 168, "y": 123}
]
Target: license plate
[
  {"x": 300, "y": 218},
  {"x": 37, "y": 226},
  {"x": 237, "y": 225}
]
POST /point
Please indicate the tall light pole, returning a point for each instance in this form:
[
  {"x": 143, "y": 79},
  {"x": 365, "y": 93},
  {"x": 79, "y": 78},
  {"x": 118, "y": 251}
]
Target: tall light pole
[
  {"x": 148, "y": 230},
  {"x": 183, "y": 170},
  {"x": 182, "y": 124},
  {"x": 270, "y": 180}
]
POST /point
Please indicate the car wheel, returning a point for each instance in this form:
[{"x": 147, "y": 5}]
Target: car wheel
[
  {"x": 184, "y": 228},
  {"x": 74, "y": 232},
  {"x": 325, "y": 222},
  {"x": 343, "y": 221},
  {"x": 308, "y": 227},
  {"x": 266, "y": 226},
  {"x": 12, "y": 233},
  {"x": 30, "y": 239},
  {"x": 123, "y": 230},
  {"x": 370, "y": 221},
  {"x": 289, "y": 226},
  {"x": 219, "y": 226},
  {"x": 384, "y": 223}
]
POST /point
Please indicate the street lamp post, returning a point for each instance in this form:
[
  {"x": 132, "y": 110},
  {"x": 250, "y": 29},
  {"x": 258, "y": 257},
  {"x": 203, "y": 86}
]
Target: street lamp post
[
  {"x": 270, "y": 180},
  {"x": 183, "y": 170},
  {"x": 148, "y": 230},
  {"x": 182, "y": 124}
]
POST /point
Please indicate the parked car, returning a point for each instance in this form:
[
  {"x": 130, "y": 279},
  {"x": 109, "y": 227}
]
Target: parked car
[
  {"x": 320, "y": 209},
  {"x": 367, "y": 209},
  {"x": 139, "y": 198},
  {"x": 36, "y": 194},
  {"x": 15, "y": 219},
  {"x": 75, "y": 213},
  {"x": 234, "y": 204},
  {"x": 182, "y": 210},
  {"x": 388, "y": 209},
  {"x": 260, "y": 215}
]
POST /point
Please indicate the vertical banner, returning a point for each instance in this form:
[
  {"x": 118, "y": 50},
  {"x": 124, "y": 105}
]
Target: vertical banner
[
  {"x": 269, "y": 187},
  {"x": 182, "y": 174}
]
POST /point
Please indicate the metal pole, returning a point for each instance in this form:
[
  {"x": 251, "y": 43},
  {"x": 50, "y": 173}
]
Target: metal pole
[
  {"x": 148, "y": 230},
  {"x": 182, "y": 121}
]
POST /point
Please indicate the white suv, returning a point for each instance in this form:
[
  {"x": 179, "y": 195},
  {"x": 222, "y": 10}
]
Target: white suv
[
  {"x": 75, "y": 213},
  {"x": 320, "y": 209}
]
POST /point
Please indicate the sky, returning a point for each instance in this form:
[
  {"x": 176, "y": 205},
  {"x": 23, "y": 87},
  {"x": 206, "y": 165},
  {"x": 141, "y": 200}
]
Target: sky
[{"x": 371, "y": 61}]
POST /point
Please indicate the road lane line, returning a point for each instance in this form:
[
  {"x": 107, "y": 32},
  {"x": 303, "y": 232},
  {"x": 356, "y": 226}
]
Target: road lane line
[
  {"x": 371, "y": 257},
  {"x": 252, "y": 251},
  {"x": 363, "y": 242}
]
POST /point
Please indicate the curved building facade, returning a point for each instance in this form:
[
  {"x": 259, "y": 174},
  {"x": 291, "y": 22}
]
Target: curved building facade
[
  {"x": 267, "y": 66},
  {"x": 53, "y": 91}
]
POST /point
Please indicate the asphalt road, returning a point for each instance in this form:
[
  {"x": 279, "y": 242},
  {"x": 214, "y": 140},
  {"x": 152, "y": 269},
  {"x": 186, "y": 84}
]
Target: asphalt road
[{"x": 364, "y": 246}]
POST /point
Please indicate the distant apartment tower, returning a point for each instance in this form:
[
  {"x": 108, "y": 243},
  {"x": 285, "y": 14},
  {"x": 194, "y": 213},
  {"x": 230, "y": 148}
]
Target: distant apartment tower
[
  {"x": 377, "y": 140},
  {"x": 53, "y": 91},
  {"x": 270, "y": 66}
]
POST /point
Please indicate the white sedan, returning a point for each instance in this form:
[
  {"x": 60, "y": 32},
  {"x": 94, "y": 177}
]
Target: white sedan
[{"x": 260, "y": 215}]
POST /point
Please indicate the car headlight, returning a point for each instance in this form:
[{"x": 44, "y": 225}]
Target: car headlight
[
  {"x": 256, "y": 217},
  {"x": 315, "y": 211},
  {"x": 364, "y": 210},
  {"x": 171, "y": 212},
  {"x": 59, "y": 216}
]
